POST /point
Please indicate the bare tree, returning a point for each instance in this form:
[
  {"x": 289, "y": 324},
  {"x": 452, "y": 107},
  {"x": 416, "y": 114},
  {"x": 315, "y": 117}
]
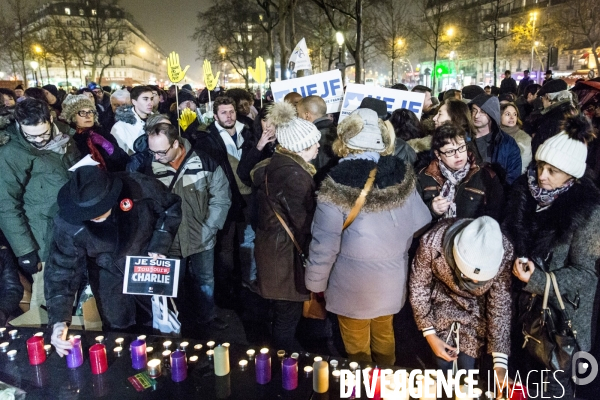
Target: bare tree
[
  {"x": 582, "y": 22},
  {"x": 17, "y": 37}
]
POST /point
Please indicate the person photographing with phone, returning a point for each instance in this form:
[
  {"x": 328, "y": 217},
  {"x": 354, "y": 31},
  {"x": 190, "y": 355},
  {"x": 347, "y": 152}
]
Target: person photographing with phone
[{"x": 460, "y": 293}]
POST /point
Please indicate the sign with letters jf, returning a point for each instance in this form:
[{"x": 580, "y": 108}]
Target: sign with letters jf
[
  {"x": 328, "y": 85},
  {"x": 395, "y": 99},
  {"x": 143, "y": 275}
]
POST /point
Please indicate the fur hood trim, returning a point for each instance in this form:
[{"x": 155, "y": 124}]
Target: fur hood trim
[
  {"x": 420, "y": 144},
  {"x": 126, "y": 114},
  {"x": 381, "y": 197}
]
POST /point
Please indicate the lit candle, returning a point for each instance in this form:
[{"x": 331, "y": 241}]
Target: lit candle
[
  {"x": 250, "y": 353},
  {"x": 142, "y": 337},
  {"x": 221, "y": 360},
  {"x": 48, "y": 349},
  {"x": 39, "y": 334},
  {"x": 167, "y": 344},
  {"x": 336, "y": 375},
  {"x": 317, "y": 358},
  {"x": 198, "y": 347},
  {"x": 12, "y": 355},
  {"x": 334, "y": 364},
  {"x": 166, "y": 353},
  {"x": 210, "y": 354},
  {"x": 13, "y": 334},
  {"x": 4, "y": 347},
  {"x": 154, "y": 368},
  {"x": 243, "y": 364},
  {"x": 308, "y": 370},
  {"x": 149, "y": 349},
  {"x": 99, "y": 339},
  {"x": 264, "y": 350},
  {"x": 295, "y": 356},
  {"x": 75, "y": 356},
  {"x": 289, "y": 372},
  {"x": 119, "y": 341},
  {"x": 167, "y": 358},
  {"x": 321, "y": 376},
  {"x": 193, "y": 359},
  {"x": 183, "y": 346},
  {"x": 118, "y": 350},
  {"x": 210, "y": 344},
  {"x": 263, "y": 368},
  {"x": 226, "y": 345},
  {"x": 2, "y": 332},
  {"x": 353, "y": 365},
  {"x": 139, "y": 358},
  {"x": 280, "y": 354},
  {"x": 77, "y": 337}
]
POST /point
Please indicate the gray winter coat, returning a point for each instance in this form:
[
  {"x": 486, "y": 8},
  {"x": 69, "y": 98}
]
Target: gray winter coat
[{"x": 363, "y": 270}]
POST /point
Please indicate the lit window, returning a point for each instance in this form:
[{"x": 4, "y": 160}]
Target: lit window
[
  {"x": 94, "y": 12},
  {"x": 239, "y": 38},
  {"x": 249, "y": 37},
  {"x": 68, "y": 11},
  {"x": 81, "y": 12}
]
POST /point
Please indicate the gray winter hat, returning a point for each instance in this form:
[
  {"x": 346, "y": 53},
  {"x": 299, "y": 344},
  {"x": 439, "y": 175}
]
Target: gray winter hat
[
  {"x": 361, "y": 131},
  {"x": 490, "y": 104}
]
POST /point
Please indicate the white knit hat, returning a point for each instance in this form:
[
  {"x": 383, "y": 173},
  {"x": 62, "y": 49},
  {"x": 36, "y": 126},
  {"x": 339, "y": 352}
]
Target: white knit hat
[
  {"x": 565, "y": 153},
  {"x": 293, "y": 133},
  {"x": 478, "y": 249}
]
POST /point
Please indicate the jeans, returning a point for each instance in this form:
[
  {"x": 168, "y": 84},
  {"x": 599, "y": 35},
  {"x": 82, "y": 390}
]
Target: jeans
[
  {"x": 364, "y": 338},
  {"x": 247, "y": 256},
  {"x": 463, "y": 362},
  {"x": 201, "y": 281},
  {"x": 286, "y": 315}
]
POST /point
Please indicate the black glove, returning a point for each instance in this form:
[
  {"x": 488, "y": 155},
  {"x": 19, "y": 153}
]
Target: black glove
[{"x": 29, "y": 262}]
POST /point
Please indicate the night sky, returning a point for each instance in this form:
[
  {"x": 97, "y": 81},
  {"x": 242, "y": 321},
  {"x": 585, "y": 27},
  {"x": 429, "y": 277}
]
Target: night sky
[{"x": 170, "y": 23}]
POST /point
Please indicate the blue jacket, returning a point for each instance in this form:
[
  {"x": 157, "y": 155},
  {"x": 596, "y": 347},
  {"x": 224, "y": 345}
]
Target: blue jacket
[{"x": 505, "y": 153}]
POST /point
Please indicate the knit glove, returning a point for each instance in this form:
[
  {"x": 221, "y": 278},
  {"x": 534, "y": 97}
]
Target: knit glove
[
  {"x": 99, "y": 140},
  {"x": 29, "y": 262}
]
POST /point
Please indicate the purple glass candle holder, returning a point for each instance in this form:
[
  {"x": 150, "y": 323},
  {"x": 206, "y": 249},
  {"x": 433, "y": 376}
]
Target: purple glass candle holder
[
  {"x": 139, "y": 357},
  {"x": 289, "y": 372},
  {"x": 75, "y": 356},
  {"x": 178, "y": 366},
  {"x": 263, "y": 368}
]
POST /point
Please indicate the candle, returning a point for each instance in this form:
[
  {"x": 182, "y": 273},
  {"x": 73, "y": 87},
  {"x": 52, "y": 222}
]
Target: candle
[
  {"x": 198, "y": 347},
  {"x": 41, "y": 334},
  {"x": 243, "y": 364},
  {"x": 210, "y": 354},
  {"x": 250, "y": 353},
  {"x": 35, "y": 350},
  {"x": 149, "y": 349},
  {"x": 75, "y": 356},
  {"x": 142, "y": 337},
  {"x": 183, "y": 346},
  {"x": 317, "y": 358},
  {"x": 13, "y": 334},
  {"x": 154, "y": 370},
  {"x": 48, "y": 349},
  {"x": 336, "y": 375},
  {"x": 167, "y": 344},
  {"x": 193, "y": 359},
  {"x": 4, "y": 347},
  {"x": 77, "y": 336},
  {"x": 139, "y": 358},
  {"x": 353, "y": 365},
  {"x": 308, "y": 370},
  {"x": 167, "y": 358},
  {"x": 12, "y": 355},
  {"x": 118, "y": 350},
  {"x": 119, "y": 341},
  {"x": 210, "y": 344},
  {"x": 221, "y": 360},
  {"x": 321, "y": 376},
  {"x": 295, "y": 356},
  {"x": 264, "y": 350},
  {"x": 334, "y": 364},
  {"x": 98, "y": 359},
  {"x": 99, "y": 339},
  {"x": 289, "y": 372},
  {"x": 263, "y": 368},
  {"x": 178, "y": 366},
  {"x": 280, "y": 354},
  {"x": 166, "y": 353},
  {"x": 225, "y": 344},
  {"x": 2, "y": 332}
]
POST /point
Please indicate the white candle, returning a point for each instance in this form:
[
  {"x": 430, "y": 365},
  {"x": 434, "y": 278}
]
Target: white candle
[
  {"x": 264, "y": 350},
  {"x": 280, "y": 353},
  {"x": 48, "y": 349},
  {"x": 142, "y": 337},
  {"x": 154, "y": 368},
  {"x": 12, "y": 354},
  {"x": 317, "y": 358},
  {"x": 166, "y": 353},
  {"x": 4, "y": 347},
  {"x": 353, "y": 365},
  {"x": 295, "y": 356},
  {"x": 193, "y": 359},
  {"x": 210, "y": 353},
  {"x": 336, "y": 374},
  {"x": 243, "y": 364},
  {"x": 225, "y": 344},
  {"x": 2, "y": 331},
  {"x": 167, "y": 344},
  {"x": 13, "y": 334},
  {"x": 250, "y": 353},
  {"x": 210, "y": 344},
  {"x": 119, "y": 341},
  {"x": 333, "y": 363},
  {"x": 198, "y": 347},
  {"x": 40, "y": 334},
  {"x": 118, "y": 350},
  {"x": 149, "y": 349},
  {"x": 99, "y": 339},
  {"x": 308, "y": 370},
  {"x": 183, "y": 346}
]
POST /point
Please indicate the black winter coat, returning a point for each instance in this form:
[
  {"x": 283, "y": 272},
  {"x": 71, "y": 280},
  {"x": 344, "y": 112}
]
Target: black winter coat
[
  {"x": 549, "y": 123},
  {"x": 479, "y": 193},
  {"x": 326, "y": 159},
  {"x": 11, "y": 289},
  {"x": 149, "y": 226}
]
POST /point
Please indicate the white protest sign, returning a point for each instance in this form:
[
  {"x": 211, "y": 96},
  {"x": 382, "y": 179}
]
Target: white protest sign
[
  {"x": 395, "y": 99},
  {"x": 328, "y": 85}
]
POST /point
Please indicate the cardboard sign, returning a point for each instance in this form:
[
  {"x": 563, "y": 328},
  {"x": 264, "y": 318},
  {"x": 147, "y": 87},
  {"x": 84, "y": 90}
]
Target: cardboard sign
[
  {"x": 328, "y": 85},
  {"x": 395, "y": 99},
  {"x": 143, "y": 275}
]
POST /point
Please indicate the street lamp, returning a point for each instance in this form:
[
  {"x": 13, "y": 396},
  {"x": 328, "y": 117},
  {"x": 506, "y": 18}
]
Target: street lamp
[
  {"x": 222, "y": 51},
  {"x": 533, "y": 17},
  {"x": 339, "y": 37},
  {"x": 450, "y": 31},
  {"x": 269, "y": 69},
  {"x": 34, "y": 66}
]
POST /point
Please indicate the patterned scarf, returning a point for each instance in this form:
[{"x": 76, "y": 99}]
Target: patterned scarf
[
  {"x": 453, "y": 178},
  {"x": 544, "y": 197}
]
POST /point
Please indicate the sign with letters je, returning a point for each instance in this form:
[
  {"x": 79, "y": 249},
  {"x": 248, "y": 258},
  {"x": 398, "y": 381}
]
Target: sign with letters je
[
  {"x": 395, "y": 99},
  {"x": 328, "y": 85},
  {"x": 143, "y": 275}
]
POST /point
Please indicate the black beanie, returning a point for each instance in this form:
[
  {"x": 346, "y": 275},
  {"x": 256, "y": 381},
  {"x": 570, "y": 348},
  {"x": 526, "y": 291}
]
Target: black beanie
[{"x": 52, "y": 89}]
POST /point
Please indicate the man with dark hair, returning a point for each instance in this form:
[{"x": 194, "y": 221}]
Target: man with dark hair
[
  {"x": 526, "y": 81},
  {"x": 548, "y": 77},
  {"x": 452, "y": 94},
  {"x": 34, "y": 164},
  {"x": 224, "y": 142},
  {"x": 132, "y": 118},
  {"x": 204, "y": 188},
  {"x": 399, "y": 86},
  {"x": 508, "y": 84},
  {"x": 487, "y": 89},
  {"x": 526, "y": 103},
  {"x": 19, "y": 91},
  {"x": 243, "y": 103}
]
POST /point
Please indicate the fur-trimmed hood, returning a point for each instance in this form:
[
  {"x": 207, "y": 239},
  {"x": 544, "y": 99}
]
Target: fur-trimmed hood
[
  {"x": 420, "y": 144},
  {"x": 126, "y": 114},
  {"x": 394, "y": 183}
]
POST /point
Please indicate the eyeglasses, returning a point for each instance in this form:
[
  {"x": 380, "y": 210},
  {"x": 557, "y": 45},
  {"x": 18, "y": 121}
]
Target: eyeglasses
[
  {"x": 160, "y": 153},
  {"x": 44, "y": 135},
  {"x": 452, "y": 152},
  {"x": 83, "y": 113}
]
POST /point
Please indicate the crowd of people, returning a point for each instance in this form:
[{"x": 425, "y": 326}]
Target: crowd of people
[{"x": 461, "y": 215}]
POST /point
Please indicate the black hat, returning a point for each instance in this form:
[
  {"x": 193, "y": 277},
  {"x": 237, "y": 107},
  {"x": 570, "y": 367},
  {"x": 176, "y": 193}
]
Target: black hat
[
  {"x": 472, "y": 91},
  {"x": 379, "y": 106},
  {"x": 19, "y": 87},
  {"x": 553, "y": 86},
  {"x": 526, "y": 71},
  {"x": 52, "y": 89},
  {"x": 186, "y": 95},
  {"x": 89, "y": 193},
  {"x": 187, "y": 86},
  {"x": 549, "y": 72}
]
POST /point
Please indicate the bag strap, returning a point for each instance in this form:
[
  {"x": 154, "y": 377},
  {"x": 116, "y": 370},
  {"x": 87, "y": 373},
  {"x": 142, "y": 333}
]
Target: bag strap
[
  {"x": 546, "y": 292},
  {"x": 360, "y": 202},
  {"x": 285, "y": 226},
  {"x": 558, "y": 296}
]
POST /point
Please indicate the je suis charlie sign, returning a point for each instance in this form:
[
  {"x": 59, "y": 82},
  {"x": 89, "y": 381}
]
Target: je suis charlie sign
[{"x": 143, "y": 275}]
